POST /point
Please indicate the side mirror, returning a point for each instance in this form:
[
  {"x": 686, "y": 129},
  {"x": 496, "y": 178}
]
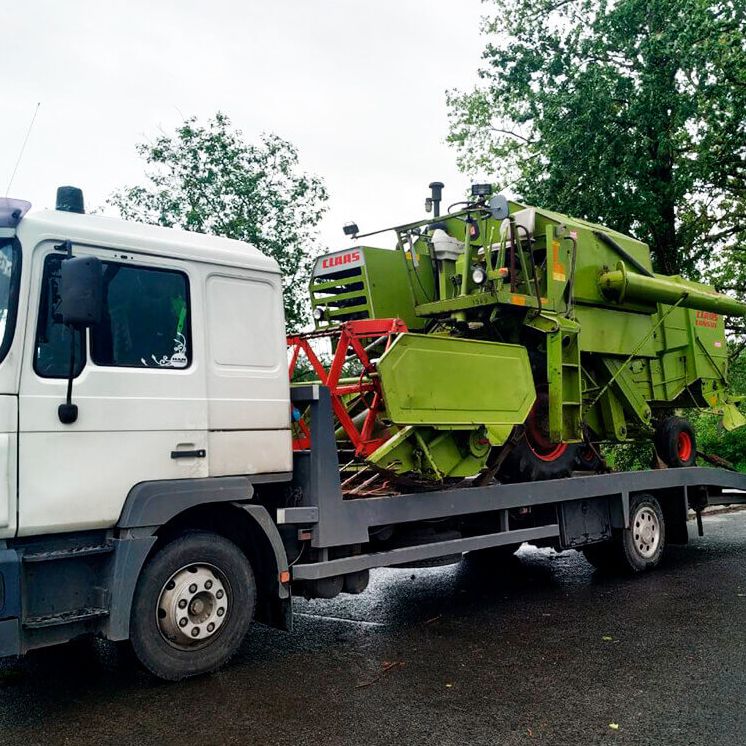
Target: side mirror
[
  {"x": 81, "y": 291},
  {"x": 499, "y": 207}
]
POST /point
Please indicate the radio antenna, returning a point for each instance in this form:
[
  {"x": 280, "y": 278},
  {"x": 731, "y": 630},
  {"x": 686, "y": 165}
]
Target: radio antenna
[{"x": 23, "y": 147}]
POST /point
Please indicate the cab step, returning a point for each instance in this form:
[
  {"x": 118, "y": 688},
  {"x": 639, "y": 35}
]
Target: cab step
[
  {"x": 64, "y": 617},
  {"x": 68, "y": 552}
]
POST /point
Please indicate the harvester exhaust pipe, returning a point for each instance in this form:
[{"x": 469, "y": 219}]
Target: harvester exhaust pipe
[{"x": 436, "y": 195}]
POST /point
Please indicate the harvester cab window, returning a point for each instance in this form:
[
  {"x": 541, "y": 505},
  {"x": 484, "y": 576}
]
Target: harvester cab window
[{"x": 145, "y": 321}]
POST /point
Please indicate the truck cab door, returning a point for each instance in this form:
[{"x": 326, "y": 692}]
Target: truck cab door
[{"x": 139, "y": 387}]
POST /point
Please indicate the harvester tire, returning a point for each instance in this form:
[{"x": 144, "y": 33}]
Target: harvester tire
[
  {"x": 526, "y": 464},
  {"x": 535, "y": 456},
  {"x": 635, "y": 549},
  {"x": 675, "y": 442}
]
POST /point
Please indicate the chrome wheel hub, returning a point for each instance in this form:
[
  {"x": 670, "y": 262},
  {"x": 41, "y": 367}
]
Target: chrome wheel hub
[
  {"x": 646, "y": 532},
  {"x": 193, "y": 606}
]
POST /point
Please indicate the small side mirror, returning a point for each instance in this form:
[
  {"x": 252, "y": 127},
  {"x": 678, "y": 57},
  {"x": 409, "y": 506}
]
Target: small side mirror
[
  {"x": 499, "y": 207},
  {"x": 81, "y": 291}
]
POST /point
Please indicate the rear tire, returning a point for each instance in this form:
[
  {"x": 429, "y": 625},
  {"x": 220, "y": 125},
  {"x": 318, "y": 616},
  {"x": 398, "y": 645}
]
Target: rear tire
[
  {"x": 638, "y": 548},
  {"x": 675, "y": 442},
  {"x": 193, "y": 606}
]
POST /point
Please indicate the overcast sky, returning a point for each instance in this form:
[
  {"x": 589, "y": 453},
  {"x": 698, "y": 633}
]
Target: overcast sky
[{"x": 358, "y": 86}]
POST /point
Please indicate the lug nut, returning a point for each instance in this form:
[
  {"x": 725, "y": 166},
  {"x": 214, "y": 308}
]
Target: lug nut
[
  {"x": 193, "y": 588},
  {"x": 182, "y": 604},
  {"x": 195, "y": 631},
  {"x": 208, "y": 584},
  {"x": 219, "y": 594},
  {"x": 221, "y": 611},
  {"x": 210, "y": 627},
  {"x": 183, "y": 622}
]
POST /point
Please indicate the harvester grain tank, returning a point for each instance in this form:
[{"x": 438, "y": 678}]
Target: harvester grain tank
[{"x": 525, "y": 338}]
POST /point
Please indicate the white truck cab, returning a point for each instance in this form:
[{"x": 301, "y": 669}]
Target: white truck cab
[
  {"x": 184, "y": 377},
  {"x": 177, "y": 397}
]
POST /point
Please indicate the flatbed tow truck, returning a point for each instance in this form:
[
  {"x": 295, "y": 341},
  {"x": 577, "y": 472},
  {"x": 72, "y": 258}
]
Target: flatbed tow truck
[{"x": 149, "y": 490}]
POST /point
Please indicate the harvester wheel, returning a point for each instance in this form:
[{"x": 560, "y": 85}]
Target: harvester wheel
[
  {"x": 637, "y": 548},
  {"x": 535, "y": 456},
  {"x": 675, "y": 442},
  {"x": 528, "y": 463}
]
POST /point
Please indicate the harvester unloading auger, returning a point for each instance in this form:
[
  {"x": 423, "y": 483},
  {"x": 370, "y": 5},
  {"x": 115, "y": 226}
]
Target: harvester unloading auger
[{"x": 505, "y": 341}]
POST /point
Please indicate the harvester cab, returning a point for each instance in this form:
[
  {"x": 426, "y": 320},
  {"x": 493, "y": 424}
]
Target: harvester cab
[{"x": 524, "y": 339}]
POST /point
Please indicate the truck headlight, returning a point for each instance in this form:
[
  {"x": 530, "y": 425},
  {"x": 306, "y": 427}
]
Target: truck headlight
[{"x": 478, "y": 276}]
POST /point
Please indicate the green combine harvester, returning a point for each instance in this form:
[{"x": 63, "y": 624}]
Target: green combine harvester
[{"x": 502, "y": 341}]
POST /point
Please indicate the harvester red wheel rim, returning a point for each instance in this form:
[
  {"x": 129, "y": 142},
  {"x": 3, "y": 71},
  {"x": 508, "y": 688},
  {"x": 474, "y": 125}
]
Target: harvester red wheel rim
[
  {"x": 684, "y": 446},
  {"x": 551, "y": 455}
]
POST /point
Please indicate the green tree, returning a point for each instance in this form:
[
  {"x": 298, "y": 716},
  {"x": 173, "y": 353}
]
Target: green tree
[
  {"x": 630, "y": 113},
  {"x": 206, "y": 178}
]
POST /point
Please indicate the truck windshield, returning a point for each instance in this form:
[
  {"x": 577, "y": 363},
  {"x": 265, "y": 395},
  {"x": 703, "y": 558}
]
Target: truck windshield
[{"x": 10, "y": 273}]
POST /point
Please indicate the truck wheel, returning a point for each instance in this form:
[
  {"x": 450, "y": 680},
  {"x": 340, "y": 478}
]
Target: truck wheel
[
  {"x": 637, "y": 548},
  {"x": 675, "y": 442},
  {"x": 193, "y": 605}
]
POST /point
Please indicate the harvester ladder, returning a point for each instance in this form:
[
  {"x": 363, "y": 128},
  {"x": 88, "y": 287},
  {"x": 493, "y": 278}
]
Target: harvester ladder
[{"x": 564, "y": 374}]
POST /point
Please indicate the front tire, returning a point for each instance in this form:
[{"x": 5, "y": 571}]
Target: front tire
[
  {"x": 193, "y": 606},
  {"x": 535, "y": 456},
  {"x": 527, "y": 462},
  {"x": 638, "y": 548}
]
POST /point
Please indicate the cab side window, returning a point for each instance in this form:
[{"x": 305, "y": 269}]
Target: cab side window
[{"x": 145, "y": 323}]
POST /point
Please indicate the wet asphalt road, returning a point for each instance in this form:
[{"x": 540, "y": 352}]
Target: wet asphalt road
[{"x": 542, "y": 652}]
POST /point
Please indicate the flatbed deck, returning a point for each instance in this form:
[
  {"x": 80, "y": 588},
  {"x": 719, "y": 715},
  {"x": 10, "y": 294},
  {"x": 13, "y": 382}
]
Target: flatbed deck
[{"x": 338, "y": 522}]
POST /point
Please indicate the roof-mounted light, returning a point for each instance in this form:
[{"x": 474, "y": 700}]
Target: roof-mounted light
[{"x": 70, "y": 199}]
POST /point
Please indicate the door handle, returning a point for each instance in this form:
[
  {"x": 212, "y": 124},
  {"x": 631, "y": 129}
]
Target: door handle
[{"x": 199, "y": 453}]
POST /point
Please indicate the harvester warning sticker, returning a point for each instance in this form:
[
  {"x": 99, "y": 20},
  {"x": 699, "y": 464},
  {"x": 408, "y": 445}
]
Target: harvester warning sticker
[
  {"x": 558, "y": 269},
  {"x": 706, "y": 319}
]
